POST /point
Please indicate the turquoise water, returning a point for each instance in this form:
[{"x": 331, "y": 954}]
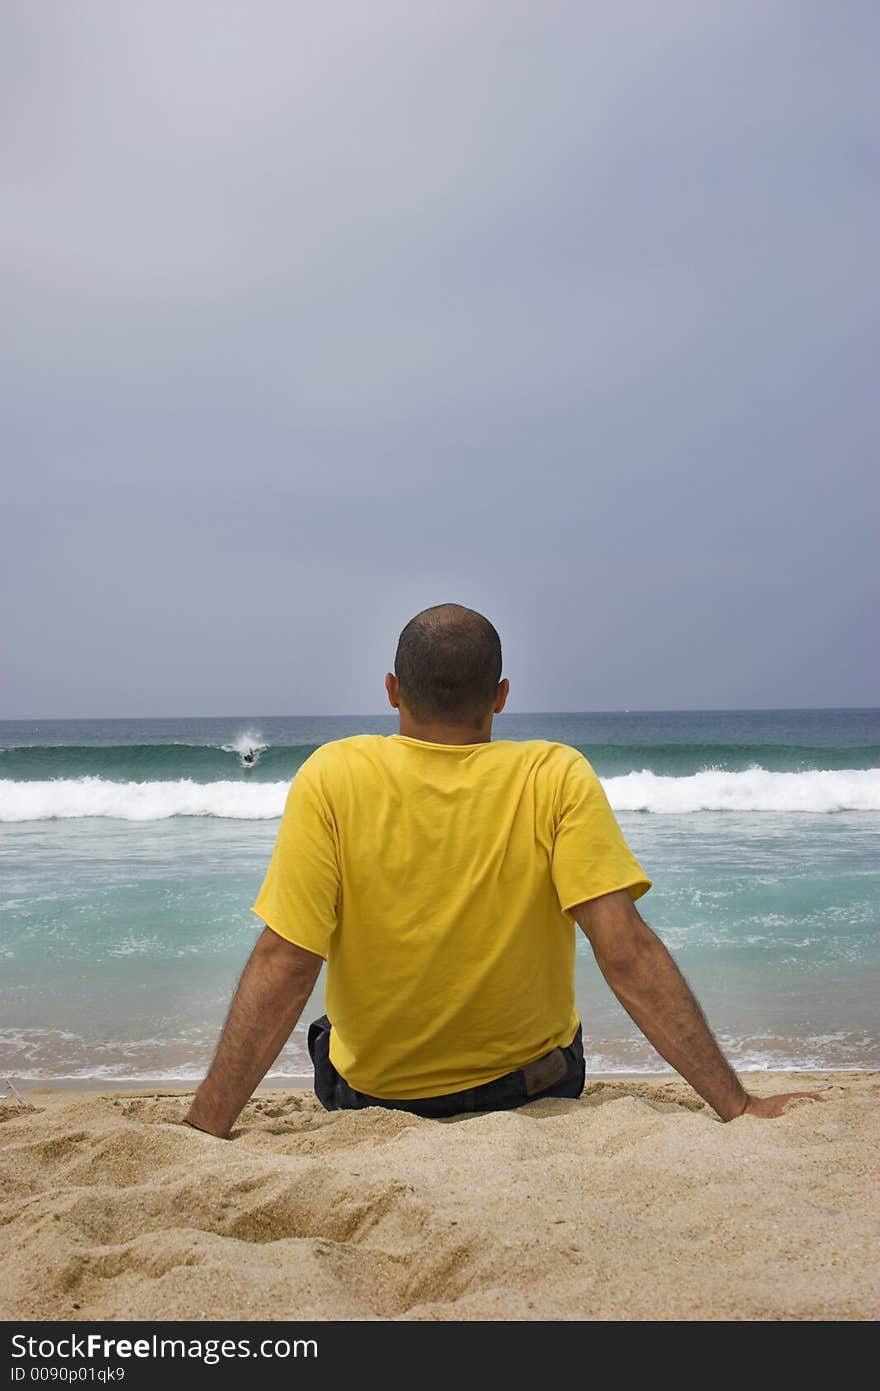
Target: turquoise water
[{"x": 130, "y": 852}]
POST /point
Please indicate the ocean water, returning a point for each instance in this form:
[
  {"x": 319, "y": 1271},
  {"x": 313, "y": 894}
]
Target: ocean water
[{"x": 131, "y": 850}]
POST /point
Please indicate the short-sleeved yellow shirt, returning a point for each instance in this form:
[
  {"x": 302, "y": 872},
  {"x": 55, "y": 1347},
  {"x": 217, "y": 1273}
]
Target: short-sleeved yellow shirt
[{"x": 437, "y": 881}]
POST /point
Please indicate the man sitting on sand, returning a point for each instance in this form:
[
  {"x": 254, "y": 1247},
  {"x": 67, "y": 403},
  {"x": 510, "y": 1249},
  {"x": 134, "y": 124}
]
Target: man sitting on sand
[{"x": 440, "y": 875}]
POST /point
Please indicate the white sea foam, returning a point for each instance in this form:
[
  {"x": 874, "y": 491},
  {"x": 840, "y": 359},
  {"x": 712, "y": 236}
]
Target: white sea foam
[
  {"x": 840, "y": 1051},
  {"x": 63, "y": 798},
  {"x": 32, "y": 1055},
  {"x": 756, "y": 789}
]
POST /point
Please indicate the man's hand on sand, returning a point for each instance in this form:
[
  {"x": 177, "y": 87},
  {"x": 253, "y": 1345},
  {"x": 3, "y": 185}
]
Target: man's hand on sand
[
  {"x": 767, "y": 1107},
  {"x": 203, "y": 1129}
]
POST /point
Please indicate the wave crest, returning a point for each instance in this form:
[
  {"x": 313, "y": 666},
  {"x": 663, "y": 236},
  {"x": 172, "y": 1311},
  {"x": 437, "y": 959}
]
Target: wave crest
[
  {"x": 754, "y": 790},
  {"x": 66, "y": 798}
]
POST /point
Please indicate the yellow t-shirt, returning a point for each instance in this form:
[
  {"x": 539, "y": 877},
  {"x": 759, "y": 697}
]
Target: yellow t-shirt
[{"x": 436, "y": 880}]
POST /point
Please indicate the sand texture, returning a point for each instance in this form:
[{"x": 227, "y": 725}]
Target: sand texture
[{"x": 634, "y": 1202}]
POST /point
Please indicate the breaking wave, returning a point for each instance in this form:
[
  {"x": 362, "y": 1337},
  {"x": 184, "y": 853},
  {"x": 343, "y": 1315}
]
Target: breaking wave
[{"x": 716, "y": 790}]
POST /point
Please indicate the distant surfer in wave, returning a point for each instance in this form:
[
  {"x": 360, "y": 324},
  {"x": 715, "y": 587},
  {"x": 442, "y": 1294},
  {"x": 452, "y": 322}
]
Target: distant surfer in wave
[{"x": 249, "y": 758}]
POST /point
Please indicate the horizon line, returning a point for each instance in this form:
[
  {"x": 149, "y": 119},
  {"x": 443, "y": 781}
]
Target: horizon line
[{"x": 360, "y": 715}]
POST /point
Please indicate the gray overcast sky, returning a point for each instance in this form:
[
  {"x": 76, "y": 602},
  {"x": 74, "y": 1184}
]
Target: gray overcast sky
[{"x": 318, "y": 314}]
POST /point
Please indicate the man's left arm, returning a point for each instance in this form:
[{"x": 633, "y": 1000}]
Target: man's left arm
[
  {"x": 275, "y": 985},
  {"x": 656, "y": 996}
]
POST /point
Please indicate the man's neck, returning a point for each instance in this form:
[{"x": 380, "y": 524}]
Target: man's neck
[{"x": 446, "y": 733}]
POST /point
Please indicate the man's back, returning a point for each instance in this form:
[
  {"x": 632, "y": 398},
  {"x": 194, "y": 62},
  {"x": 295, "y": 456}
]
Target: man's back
[
  {"x": 435, "y": 879},
  {"x": 441, "y": 882}
]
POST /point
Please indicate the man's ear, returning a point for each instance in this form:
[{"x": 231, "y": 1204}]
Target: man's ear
[{"x": 392, "y": 686}]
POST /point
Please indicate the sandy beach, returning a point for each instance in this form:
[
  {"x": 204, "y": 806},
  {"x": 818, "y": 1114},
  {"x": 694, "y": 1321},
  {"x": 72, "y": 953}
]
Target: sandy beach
[{"x": 634, "y": 1202}]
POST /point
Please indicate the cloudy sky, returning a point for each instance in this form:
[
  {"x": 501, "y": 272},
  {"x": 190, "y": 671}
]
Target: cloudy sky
[{"x": 321, "y": 313}]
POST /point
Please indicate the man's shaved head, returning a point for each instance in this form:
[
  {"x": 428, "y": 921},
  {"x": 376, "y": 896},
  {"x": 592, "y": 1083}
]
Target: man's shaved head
[{"x": 448, "y": 664}]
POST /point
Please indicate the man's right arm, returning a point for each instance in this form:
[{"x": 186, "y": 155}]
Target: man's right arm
[{"x": 656, "y": 996}]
